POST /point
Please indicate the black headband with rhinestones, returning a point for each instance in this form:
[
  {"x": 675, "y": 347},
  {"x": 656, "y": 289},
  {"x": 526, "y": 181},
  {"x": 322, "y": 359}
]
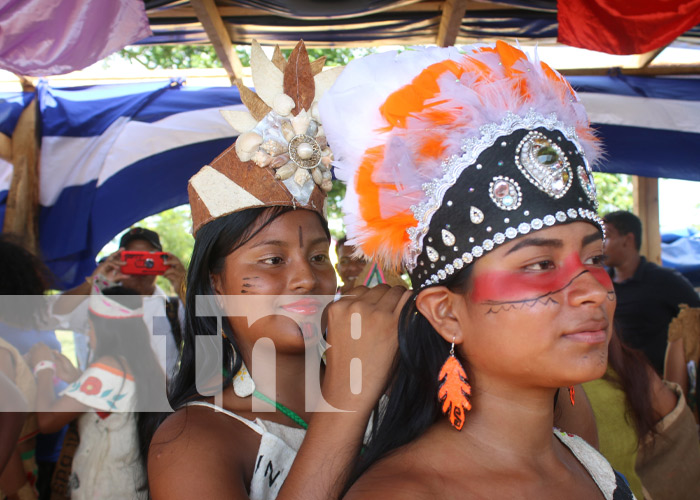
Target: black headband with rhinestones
[{"x": 526, "y": 180}]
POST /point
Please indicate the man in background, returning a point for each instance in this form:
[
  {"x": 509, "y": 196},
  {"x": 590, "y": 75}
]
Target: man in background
[
  {"x": 648, "y": 295},
  {"x": 164, "y": 316}
]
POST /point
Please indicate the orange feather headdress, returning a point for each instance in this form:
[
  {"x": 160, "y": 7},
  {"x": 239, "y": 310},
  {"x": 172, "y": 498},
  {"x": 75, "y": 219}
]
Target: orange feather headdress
[{"x": 405, "y": 127}]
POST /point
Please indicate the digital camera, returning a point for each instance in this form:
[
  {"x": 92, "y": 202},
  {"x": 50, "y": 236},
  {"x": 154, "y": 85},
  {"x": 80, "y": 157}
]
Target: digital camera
[{"x": 149, "y": 263}]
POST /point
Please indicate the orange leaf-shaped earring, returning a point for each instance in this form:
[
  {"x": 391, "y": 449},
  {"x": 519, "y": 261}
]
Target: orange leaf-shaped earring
[
  {"x": 454, "y": 390},
  {"x": 572, "y": 393}
]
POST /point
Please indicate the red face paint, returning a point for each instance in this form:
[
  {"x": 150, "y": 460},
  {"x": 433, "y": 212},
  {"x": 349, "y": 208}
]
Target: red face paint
[{"x": 522, "y": 285}]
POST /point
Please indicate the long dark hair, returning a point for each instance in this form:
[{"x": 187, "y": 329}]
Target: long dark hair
[
  {"x": 412, "y": 405},
  {"x": 631, "y": 374},
  {"x": 213, "y": 243},
  {"x": 128, "y": 340},
  {"x": 22, "y": 273}
]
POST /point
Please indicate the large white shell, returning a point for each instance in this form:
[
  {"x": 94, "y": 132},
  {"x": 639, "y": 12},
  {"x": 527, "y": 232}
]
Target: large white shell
[
  {"x": 242, "y": 121},
  {"x": 247, "y": 144},
  {"x": 268, "y": 80},
  {"x": 301, "y": 176},
  {"x": 327, "y": 185},
  {"x": 286, "y": 171},
  {"x": 317, "y": 176},
  {"x": 283, "y": 104},
  {"x": 324, "y": 80},
  {"x": 301, "y": 122}
]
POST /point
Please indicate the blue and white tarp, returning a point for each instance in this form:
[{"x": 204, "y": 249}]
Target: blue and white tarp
[
  {"x": 650, "y": 126},
  {"x": 112, "y": 155},
  {"x": 681, "y": 251}
]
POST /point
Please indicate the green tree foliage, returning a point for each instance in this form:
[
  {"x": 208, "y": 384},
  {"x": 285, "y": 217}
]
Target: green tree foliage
[
  {"x": 204, "y": 56},
  {"x": 614, "y": 192}
]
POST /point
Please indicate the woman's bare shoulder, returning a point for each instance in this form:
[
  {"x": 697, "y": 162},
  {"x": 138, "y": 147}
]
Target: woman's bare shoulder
[{"x": 201, "y": 453}]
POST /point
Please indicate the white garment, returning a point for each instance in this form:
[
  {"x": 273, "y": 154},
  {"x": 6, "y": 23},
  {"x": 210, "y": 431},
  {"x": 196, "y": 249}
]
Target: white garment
[
  {"x": 279, "y": 445},
  {"x": 597, "y": 466},
  {"x": 161, "y": 337},
  {"x": 106, "y": 465}
]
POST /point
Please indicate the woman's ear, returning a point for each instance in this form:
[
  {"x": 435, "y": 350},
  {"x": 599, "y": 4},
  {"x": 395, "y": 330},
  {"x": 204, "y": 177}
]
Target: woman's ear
[
  {"x": 440, "y": 307},
  {"x": 217, "y": 283}
]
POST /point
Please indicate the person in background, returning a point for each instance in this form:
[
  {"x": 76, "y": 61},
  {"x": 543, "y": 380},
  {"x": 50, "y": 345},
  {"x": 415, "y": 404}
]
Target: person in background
[
  {"x": 121, "y": 384},
  {"x": 163, "y": 316},
  {"x": 348, "y": 267},
  {"x": 22, "y": 325},
  {"x": 648, "y": 296}
]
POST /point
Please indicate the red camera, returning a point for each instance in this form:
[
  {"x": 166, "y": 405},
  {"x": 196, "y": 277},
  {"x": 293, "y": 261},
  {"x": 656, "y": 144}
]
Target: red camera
[{"x": 148, "y": 263}]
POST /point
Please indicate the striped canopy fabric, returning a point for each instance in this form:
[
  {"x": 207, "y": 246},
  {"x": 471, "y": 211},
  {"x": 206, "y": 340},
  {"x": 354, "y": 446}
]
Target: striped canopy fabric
[{"x": 112, "y": 155}]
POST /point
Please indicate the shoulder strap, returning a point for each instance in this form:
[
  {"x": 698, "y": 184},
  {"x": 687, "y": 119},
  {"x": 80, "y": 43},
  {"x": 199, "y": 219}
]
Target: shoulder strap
[
  {"x": 214, "y": 407},
  {"x": 171, "y": 308}
]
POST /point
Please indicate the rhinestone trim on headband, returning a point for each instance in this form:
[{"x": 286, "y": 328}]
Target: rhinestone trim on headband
[
  {"x": 511, "y": 232},
  {"x": 456, "y": 164}
]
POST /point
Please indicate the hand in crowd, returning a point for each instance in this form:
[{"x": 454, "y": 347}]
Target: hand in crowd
[
  {"x": 64, "y": 368},
  {"x": 376, "y": 347},
  {"x": 111, "y": 267},
  {"x": 40, "y": 352}
]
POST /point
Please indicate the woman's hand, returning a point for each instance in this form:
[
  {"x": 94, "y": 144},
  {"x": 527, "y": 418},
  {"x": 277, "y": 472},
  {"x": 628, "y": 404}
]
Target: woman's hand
[
  {"x": 40, "y": 352},
  {"x": 64, "y": 368},
  {"x": 362, "y": 326},
  {"x": 111, "y": 267},
  {"x": 175, "y": 274}
]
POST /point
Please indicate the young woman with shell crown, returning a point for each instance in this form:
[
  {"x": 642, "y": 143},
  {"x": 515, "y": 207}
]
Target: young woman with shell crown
[
  {"x": 258, "y": 284},
  {"x": 471, "y": 167}
]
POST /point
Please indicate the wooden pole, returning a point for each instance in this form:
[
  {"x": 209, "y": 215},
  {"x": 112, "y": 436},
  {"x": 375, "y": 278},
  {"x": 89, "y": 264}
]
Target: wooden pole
[
  {"x": 208, "y": 14},
  {"x": 450, "y": 22},
  {"x": 646, "y": 206},
  {"x": 22, "y": 207}
]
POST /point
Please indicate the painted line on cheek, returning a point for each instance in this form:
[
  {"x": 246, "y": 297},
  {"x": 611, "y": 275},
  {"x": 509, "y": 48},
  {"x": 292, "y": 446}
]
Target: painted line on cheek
[{"x": 509, "y": 306}]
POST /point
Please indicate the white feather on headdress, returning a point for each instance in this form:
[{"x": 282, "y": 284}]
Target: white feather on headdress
[{"x": 392, "y": 119}]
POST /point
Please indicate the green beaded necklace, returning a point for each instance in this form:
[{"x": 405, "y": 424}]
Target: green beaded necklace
[{"x": 287, "y": 412}]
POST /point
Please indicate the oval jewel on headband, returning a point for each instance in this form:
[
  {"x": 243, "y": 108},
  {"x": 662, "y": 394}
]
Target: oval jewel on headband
[
  {"x": 448, "y": 238},
  {"x": 432, "y": 254},
  {"x": 476, "y": 215}
]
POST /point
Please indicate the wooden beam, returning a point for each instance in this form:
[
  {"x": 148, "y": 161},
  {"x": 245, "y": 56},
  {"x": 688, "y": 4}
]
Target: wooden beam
[
  {"x": 646, "y": 58},
  {"x": 646, "y": 206},
  {"x": 22, "y": 208},
  {"x": 210, "y": 18},
  {"x": 450, "y": 22}
]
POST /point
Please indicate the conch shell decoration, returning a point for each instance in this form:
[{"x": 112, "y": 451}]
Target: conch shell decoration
[{"x": 281, "y": 129}]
